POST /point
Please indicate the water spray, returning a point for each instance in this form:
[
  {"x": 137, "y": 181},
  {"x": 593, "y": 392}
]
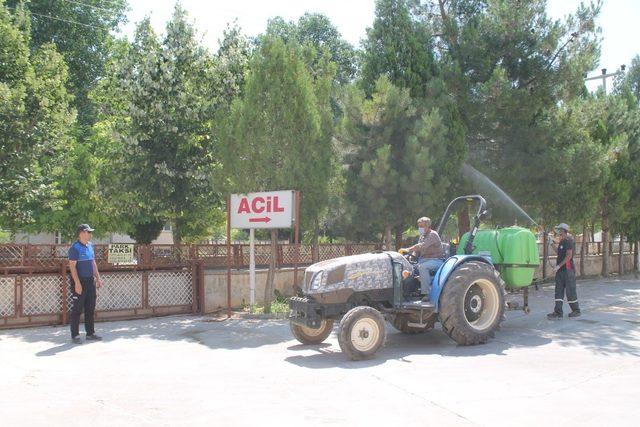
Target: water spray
[{"x": 485, "y": 183}]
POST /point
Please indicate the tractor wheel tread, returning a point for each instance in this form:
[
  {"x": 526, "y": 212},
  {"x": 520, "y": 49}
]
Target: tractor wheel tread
[
  {"x": 299, "y": 333},
  {"x": 452, "y": 314},
  {"x": 344, "y": 332}
]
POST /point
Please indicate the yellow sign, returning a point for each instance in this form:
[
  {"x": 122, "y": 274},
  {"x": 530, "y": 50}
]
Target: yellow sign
[{"x": 120, "y": 253}]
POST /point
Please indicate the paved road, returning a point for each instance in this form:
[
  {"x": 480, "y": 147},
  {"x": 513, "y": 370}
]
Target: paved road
[{"x": 192, "y": 370}]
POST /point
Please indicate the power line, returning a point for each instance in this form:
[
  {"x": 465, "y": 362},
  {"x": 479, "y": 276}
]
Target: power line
[
  {"x": 56, "y": 18},
  {"x": 65, "y": 20},
  {"x": 90, "y": 5}
]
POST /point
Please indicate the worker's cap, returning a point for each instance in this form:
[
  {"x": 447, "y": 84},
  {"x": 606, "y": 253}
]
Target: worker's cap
[
  {"x": 562, "y": 226},
  {"x": 84, "y": 227}
]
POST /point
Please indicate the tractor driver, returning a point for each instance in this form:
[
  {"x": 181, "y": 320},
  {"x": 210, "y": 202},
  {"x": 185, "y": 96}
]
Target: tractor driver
[{"x": 429, "y": 251}]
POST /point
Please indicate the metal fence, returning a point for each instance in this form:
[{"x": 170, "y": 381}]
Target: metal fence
[
  {"x": 47, "y": 258},
  {"x": 37, "y": 298},
  {"x": 163, "y": 279}
]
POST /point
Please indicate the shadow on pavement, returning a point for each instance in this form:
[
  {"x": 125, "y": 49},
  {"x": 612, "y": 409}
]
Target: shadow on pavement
[
  {"x": 231, "y": 334},
  {"x": 399, "y": 346},
  {"x": 610, "y": 324}
]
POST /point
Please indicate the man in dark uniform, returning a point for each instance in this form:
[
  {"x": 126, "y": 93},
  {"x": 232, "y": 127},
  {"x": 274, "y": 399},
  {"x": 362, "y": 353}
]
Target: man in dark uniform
[
  {"x": 82, "y": 265},
  {"x": 565, "y": 275}
]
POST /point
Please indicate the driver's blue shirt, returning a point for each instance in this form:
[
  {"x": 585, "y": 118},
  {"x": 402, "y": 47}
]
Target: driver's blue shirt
[{"x": 84, "y": 256}]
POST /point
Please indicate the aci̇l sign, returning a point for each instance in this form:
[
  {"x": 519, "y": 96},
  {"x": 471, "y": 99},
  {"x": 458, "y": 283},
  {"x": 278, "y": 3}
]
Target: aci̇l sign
[{"x": 272, "y": 209}]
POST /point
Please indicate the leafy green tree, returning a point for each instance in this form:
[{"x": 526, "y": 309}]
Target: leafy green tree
[
  {"x": 609, "y": 128},
  {"x": 317, "y": 30},
  {"x": 278, "y": 135},
  {"x": 402, "y": 153},
  {"x": 82, "y": 33},
  {"x": 232, "y": 63},
  {"x": 509, "y": 65},
  {"x": 35, "y": 122},
  {"x": 159, "y": 102},
  {"x": 399, "y": 47},
  {"x": 630, "y": 89},
  {"x": 631, "y": 80}
]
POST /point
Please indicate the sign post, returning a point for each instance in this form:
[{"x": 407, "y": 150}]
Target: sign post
[
  {"x": 229, "y": 257},
  {"x": 271, "y": 209},
  {"x": 296, "y": 258},
  {"x": 252, "y": 267}
]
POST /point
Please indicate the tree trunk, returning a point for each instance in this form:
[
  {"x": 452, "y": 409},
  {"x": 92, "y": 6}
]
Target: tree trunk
[
  {"x": 315, "y": 248},
  {"x": 268, "y": 289},
  {"x": 635, "y": 256},
  {"x": 464, "y": 224},
  {"x": 545, "y": 253},
  {"x": 621, "y": 256},
  {"x": 398, "y": 237},
  {"x": 583, "y": 248},
  {"x": 386, "y": 242},
  {"x": 605, "y": 243}
]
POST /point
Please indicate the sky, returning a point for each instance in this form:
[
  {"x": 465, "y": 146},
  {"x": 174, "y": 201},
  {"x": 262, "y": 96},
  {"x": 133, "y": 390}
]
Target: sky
[{"x": 619, "y": 20}]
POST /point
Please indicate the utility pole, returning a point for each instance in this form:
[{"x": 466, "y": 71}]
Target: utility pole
[{"x": 604, "y": 76}]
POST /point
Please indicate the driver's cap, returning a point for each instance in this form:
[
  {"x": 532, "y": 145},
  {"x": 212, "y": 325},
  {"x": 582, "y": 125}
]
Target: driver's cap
[{"x": 562, "y": 226}]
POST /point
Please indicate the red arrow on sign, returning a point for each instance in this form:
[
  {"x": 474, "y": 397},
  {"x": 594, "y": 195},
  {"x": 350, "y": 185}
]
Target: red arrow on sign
[{"x": 263, "y": 219}]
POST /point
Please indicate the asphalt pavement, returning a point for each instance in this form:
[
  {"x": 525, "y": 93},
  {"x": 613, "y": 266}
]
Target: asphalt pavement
[{"x": 194, "y": 370}]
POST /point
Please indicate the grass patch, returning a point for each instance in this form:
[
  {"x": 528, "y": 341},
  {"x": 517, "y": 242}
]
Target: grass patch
[{"x": 279, "y": 306}]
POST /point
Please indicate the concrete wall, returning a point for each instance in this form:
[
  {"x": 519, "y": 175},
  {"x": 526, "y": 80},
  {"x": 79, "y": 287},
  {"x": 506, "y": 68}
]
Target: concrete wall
[
  {"x": 593, "y": 265},
  {"x": 215, "y": 286}
]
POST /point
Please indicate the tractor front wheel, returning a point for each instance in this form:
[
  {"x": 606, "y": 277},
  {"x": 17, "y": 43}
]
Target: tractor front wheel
[
  {"x": 312, "y": 336},
  {"x": 472, "y": 303},
  {"x": 362, "y": 332}
]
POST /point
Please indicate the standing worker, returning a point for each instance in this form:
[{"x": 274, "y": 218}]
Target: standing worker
[
  {"x": 84, "y": 269},
  {"x": 565, "y": 275}
]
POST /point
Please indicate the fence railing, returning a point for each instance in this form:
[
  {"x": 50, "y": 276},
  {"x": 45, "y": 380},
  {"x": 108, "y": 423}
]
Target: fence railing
[{"x": 47, "y": 257}]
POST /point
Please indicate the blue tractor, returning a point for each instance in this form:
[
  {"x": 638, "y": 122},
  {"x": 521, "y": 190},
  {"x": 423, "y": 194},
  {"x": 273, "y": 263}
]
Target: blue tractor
[{"x": 467, "y": 293}]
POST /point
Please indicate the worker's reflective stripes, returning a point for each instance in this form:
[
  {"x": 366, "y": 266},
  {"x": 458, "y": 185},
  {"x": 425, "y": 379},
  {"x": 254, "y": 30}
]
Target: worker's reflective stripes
[
  {"x": 560, "y": 300},
  {"x": 571, "y": 302}
]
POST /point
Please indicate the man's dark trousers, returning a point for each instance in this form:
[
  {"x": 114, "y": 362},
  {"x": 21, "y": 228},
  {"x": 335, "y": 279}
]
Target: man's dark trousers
[
  {"x": 86, "y": 302},
  {"x": 566, "y": 282}
]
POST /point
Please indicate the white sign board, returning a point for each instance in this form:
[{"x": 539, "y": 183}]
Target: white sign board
[
  {"x": 120, "y": 253},
  {"x": 272, "y": 209}
]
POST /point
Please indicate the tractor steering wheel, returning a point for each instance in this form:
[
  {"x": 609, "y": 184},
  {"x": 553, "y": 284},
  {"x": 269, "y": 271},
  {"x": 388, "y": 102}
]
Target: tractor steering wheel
[{"x": 411, "y": 257}]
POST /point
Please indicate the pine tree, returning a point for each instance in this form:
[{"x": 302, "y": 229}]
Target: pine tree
[
  {"x": 278, "y": 136},
  {"x": 401, "y": 154}
]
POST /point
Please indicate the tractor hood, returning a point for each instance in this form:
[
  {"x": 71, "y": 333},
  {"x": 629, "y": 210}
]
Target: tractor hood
[{"x": 357, "y": 272}]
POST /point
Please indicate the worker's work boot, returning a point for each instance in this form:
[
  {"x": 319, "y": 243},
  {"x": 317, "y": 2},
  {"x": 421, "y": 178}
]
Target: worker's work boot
[
  {"x": 554, "y": 316},
  {"x": 574, "y": 313},
  {"x": 94, "y": 337},
  {"x": 76, "y": 340}
]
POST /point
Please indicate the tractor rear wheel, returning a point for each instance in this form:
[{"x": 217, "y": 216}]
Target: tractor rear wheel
[
  {"x": 309, "y": 335},
  {"x": 362, "y": 332},
  {"x": 472, "y": 303}
]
